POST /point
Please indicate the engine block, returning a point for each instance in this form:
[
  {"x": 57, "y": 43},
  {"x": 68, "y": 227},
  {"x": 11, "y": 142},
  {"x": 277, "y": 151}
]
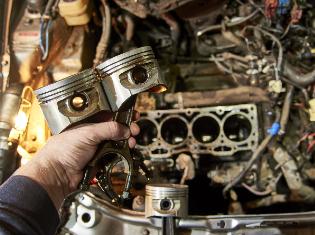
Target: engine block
[{"x": 219, "y": 131}]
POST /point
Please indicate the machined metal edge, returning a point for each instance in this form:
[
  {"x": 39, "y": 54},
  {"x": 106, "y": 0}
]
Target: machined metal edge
[
  {"x": 193, "y": 145},
  {"x": 208, "y": 223},
  {"x": 68, "y": 84},
  {"x": 156, "y": 190},
  {"x": 174, "y": 116},
  {"x": 138, "y": 55},
  {"x": 87, "y": 77}
]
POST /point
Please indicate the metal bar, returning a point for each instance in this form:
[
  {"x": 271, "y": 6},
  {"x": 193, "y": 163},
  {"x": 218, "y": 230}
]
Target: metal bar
[{"x": 168, "y": 226}]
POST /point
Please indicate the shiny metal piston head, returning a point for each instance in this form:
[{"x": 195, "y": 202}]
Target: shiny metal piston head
[
  {"x": 104, "y": 88},
  {"x": 166, "y": 200}
]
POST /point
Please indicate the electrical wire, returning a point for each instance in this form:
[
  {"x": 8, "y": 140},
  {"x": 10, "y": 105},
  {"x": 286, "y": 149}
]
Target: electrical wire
[
  {"x": 228, "y": 24},
  {"x": 221, "y": 66},
  {"x": 256, "y": 155},
  {"x": 303, "y": 90},
  {"x": 45, "y": 25},
  {"x": 260, "y": 9},
  {"x": 44, "y": 30},
  {"x": 286, "y": 109},
  {"x": 275, "y": 39},
  {"x": 256, "y": 192},
  {"x": 7, "y": 25},
  {"x": 224, "y": 69},
  {"x": 102, "y": 45},
  {"x": 263, "y": 145},
  {"x": 286, "y": 31}
]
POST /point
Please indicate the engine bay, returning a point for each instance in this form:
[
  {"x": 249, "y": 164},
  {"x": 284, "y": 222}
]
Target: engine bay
[{"x": 236, "y": 124}]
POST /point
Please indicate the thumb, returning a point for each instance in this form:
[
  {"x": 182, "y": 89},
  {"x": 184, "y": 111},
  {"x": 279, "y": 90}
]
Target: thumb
[{"x": 99, "y": 132}]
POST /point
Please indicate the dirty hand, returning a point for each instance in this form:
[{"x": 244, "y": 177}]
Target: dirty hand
[{"x": 59, "y": 166}]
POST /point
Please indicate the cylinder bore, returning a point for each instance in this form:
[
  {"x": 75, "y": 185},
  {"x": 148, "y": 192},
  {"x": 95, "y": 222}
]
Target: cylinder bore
[
  {"x": 237, "y": 127},
  {"x": 205, "y": 129},
  {"x": 174, "y": 130},
  {"x": 148, "y": 133}
]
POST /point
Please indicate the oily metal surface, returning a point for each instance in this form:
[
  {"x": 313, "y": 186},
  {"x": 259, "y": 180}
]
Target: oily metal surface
[
  {"x": 220, "y": 146},
  {"x": 104, "y": 88},
  {"x": 104, "y": 216}
]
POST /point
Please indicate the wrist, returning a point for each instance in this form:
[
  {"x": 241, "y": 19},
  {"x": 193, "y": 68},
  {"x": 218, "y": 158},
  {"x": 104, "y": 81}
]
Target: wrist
[{"x": 50, "y": 175}]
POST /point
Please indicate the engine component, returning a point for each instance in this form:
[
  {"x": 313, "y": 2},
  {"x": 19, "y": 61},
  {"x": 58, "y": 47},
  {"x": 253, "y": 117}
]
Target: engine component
[
  {"x": 77, "y": 12},
  {"x": 238, "y": 117},
  {"x": 9, "y": 107},
  {"x": 27, "y": 64},
  {"x": 36, "y": 5},
  {"x": 312, "y": 110},
  {"x": 76, "y": 56},
  {"x": 239, "y": 95},
  {"x": 166, "y": 201},
  {"x": 144, "y": 8},
  {"x": 102, "y": 46},
  {"x": 100, "y": 217},
  {"x": 163, "y": 200},
  {"x": 24, "y": 46},
  {"x": 5, "y": 49},
  {"x": 186, "y": 164},
  {"x": 111, "y": 86},
  {"x": 293, "y": 177},
  {"x": 301, "y": 79},
  {"x": 220, "y": 131},
  {"x": 80, "y": 96}
]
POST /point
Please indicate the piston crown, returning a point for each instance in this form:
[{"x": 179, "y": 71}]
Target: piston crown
[{"x": 107, "y": 87}]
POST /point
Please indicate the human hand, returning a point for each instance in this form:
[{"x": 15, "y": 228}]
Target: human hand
[{"x": 59, "y": 165}]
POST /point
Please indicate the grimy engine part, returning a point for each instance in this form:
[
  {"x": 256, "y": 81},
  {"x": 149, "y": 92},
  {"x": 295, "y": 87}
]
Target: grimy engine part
[
  {"x": 10, "y": 101},
  {"x": 103, "y": 216},
  {"x": 219, "y": 131},
  {"x": 111, "y": 86}
]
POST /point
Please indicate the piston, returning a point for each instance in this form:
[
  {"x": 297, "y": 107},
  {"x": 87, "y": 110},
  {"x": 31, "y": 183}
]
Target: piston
[
  {"x": 104, "y": 88},
  {"x": 112, "y": 86},
  {"x": 167, "y": 201}
]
